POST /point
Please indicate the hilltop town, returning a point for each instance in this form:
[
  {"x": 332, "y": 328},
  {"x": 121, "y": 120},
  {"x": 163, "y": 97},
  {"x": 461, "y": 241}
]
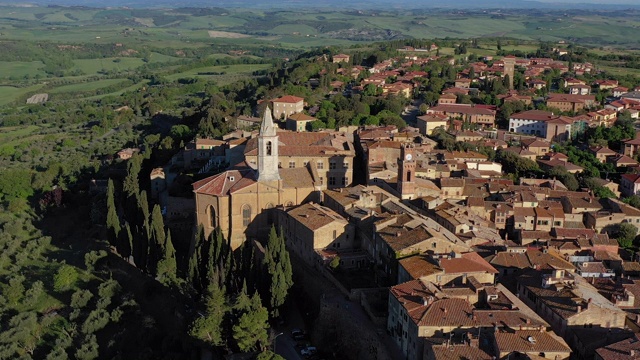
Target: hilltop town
[{"x": 499, "y": 222}]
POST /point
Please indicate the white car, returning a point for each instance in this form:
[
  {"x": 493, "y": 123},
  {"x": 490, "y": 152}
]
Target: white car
[{"x": 308, "y": 351}]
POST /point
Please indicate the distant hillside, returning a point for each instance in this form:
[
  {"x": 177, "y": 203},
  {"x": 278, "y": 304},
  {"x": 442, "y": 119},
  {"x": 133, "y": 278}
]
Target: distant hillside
[{"x": 336, "y": 4}]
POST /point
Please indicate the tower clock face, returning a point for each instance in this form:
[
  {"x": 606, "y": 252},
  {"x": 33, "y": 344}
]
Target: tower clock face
[{"x": 408, "y": 157}]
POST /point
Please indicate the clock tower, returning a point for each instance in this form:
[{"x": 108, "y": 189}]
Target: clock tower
[{"x": 406, "y": 172}]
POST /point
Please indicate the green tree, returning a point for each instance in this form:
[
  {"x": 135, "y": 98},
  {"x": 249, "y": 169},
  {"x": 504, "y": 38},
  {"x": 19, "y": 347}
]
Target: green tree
[
  {"x": 156, "y": 241},
  {"x": 250, "y": 332},
  {"x": 268, "y": 355},
  {"x": 280, "y": 273},
  {"x": 208, "y": 327},
  {"x": 633, "y": 200},
  {"x": 89, "y": 349},
  {"x": 113, "y": 222},
  {"x": 14, "y": 290},
  {"x": 131, "y": 184},
  {"x": 626, "y": 234},
  {"x": 335, "y": 262},
  {"x": 65, "y": 278},
  {"x": 80, "y": 298},
  {"x": 167, "y": 266}
]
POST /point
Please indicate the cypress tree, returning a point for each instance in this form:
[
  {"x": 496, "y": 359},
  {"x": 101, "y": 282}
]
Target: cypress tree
[
  {"x": 131, "y": 185},
  {"x": 113, "y": 222},
  {"x": 156, "y": 240},
  {"x": 278, "y": 268},
  {"x": 195, "y": 258},
  {"x": 167, "y": 267}
]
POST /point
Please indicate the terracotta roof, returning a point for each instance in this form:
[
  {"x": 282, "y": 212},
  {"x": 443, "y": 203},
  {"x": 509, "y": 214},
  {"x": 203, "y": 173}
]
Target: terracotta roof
[
  {"x": 225, "y": 183},
  {"x": 547, "y": 260},
  {"x": 574, "y": 98},
  {"x": 461, "y": 108},
  {"x": 300, "y": 117},
  {"x": 536, "y": 115},
  {"x": 511, "y": 259},
  {"x": 288, "y": 99},
  {"x": 296, "y": 178},
  {"x": 447, "y": 312},
  {"x": 459, "y": 352},
  {"x": 530, "y": 341},
  {"x": 633, "y": 178},
  {"x": 418, "y": 266},
  {"x": 467, "y": 263},
  {"x": 624, "y": 350},
  {"x": 314, "y": 216}
]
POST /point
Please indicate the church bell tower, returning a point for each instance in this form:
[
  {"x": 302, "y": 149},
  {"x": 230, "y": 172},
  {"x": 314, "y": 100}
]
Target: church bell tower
[
  {"x": 406, "y": 185},
  {"x": 268, "y": 149}
]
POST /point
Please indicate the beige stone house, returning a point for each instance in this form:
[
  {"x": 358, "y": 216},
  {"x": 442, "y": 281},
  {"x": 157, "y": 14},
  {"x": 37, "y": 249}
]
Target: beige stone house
[
  {"x": 298, "y": 122},
  {"x": 311, "y": 227},
  {"x": 287, "y": 105}
]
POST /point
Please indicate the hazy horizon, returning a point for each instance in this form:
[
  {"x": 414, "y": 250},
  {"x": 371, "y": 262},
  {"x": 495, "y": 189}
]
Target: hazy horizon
[{"x": 373, "y": 4}]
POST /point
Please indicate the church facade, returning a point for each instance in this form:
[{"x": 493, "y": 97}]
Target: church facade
[{"x": 239, "y": 200}]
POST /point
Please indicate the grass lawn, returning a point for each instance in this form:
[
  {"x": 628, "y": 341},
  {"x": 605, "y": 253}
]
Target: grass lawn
[
  {"x": 119, "y": 92},
  {"x": 12, "y": 132},
  {"x": 18, "y": 69},
  {"x": 9, "y": 94},
  {"x": 228, "y": 70},
  {"x": 93, "y": 66},
  {"x": 86, "y": 86}
]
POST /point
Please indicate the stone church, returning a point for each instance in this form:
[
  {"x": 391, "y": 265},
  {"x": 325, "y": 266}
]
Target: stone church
[{"x": 238, "y": 201}]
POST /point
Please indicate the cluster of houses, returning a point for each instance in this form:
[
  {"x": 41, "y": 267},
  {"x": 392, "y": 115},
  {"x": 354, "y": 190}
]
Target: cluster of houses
[{"x": 478, "y": 267}]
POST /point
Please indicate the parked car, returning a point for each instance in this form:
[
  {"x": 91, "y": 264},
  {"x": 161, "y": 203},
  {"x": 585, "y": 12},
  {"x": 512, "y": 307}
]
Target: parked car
[
  {"x": 308, "y": 351},
  {"x": 298, "y": 334}
]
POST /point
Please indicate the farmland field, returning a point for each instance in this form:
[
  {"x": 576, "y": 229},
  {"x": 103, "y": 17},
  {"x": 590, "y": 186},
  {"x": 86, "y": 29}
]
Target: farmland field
[
  {"x": 18, "y": 69},
  {"x": 9, "y": 94},
  {"x": 85, "y": 86},
  {"x": 222, "y": 74}
]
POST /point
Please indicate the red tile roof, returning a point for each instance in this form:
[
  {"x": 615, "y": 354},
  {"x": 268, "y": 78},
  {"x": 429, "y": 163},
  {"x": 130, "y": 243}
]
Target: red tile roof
[
  {"x": 467, "y": 263},
  {"x": 529, "y": 341},
  {"x": 288, "y": 99}
]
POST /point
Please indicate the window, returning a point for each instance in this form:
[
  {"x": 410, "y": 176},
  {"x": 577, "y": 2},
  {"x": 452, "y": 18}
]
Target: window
[
  {"x": 269, "y": 148},
  {"x": 345, "y": 181},
  {"x": 321, "y": 180},
  {"x": 292, "y": 164},
  {"x": 320, "y": 165},
  {"x": 246, "y": 215},
  {"x": 408, "y": 175},
  {"x": 332, "y": 180},
  {"x": 212, "y": 216},
  {"x": 335, "y": 234},
  {"x": 332, "y": 165},
  {"x": 346, "y": 165}
]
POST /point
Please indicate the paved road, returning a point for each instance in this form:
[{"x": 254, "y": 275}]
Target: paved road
[{"x": 285, "y": 347}]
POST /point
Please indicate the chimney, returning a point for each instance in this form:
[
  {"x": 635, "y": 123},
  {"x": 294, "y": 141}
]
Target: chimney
[
  {"x": 579, "y": 308},
  {"x": 528, "y": 321}
]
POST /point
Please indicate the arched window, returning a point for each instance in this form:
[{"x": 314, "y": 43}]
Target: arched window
[
  {"x": 269, "y": 148},
  {"x": 212, "y": 216},
  {"x": 269, "y": 211},
  {"x": 246, "y": 215}
]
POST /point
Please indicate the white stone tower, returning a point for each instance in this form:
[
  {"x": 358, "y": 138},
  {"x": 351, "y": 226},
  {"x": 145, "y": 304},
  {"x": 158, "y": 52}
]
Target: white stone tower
[{"x": 268, "y": 149}]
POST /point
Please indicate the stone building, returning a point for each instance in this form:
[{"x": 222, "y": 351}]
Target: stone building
[{"x": 240, "y": 200}]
